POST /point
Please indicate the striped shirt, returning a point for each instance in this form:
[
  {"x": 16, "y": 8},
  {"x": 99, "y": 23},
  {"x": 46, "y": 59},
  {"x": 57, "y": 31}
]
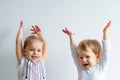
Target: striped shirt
[{"x": 31, "y": 70}]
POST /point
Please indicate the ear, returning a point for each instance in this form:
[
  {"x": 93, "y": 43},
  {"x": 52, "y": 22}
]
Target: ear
[{"x": 98, "y": 57}]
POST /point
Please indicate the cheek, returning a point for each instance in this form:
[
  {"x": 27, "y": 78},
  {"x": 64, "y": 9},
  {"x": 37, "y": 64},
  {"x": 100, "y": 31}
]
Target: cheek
[
  {"x": 93, "y": 60},
  {"x": 28, "y": 54},
  {"x": 40, "y": 54},
  {"x": 80, "y": 61}
]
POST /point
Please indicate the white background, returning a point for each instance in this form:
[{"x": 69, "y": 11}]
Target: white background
[{"x": 86, "y": 18}]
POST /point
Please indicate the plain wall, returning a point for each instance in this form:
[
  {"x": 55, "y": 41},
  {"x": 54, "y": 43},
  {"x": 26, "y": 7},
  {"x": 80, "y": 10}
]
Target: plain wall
[{"x": 86, "y": 18}]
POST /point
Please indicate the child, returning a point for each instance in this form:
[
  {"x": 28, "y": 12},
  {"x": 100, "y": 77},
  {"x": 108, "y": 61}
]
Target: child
[
  {"x": 32, "y": 56},
  {"x": 91, "y": 61}
]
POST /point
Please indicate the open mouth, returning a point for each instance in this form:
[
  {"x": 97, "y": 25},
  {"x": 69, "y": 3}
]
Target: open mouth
[
  {"x": 34, "y": 57},
  {"x": 85, "y": 65}
]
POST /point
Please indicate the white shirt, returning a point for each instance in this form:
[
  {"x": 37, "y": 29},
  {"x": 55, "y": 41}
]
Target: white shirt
[{"x": 98, "y": 72}]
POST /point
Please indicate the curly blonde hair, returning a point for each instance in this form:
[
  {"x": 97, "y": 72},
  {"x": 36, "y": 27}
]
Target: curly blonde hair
[{"x": 94, "y": 45}]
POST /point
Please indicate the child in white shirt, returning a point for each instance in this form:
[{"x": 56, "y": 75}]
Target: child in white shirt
[{"x": 91, "y": 61}]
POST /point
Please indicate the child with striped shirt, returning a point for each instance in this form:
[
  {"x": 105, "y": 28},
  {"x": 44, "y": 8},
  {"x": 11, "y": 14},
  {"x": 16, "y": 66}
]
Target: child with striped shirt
[{"x": 32, "y": 55}]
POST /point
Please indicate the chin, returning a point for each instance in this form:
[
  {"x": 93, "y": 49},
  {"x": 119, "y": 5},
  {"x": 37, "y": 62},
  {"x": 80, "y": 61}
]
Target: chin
[
  {"x": 87, "y": 68},
  {"x": 35, "y": 60}
]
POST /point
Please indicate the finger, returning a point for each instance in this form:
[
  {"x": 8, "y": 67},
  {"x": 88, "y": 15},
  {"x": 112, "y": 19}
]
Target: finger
[
  {"x": 33, "y": 27},
  {"x": 68, "y": 32},
  {"x": 109, "y": 23},
  {"x": 107, "y": 26},
  {"x": 21, "y": 23},
  {"x": 64, "y": 31},
  {"x": 37, "y": 28}
]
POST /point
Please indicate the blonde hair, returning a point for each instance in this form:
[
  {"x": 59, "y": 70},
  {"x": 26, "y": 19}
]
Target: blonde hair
[
  {"x": 94, "y": 45},
  {"x": 30, "y": 39}
]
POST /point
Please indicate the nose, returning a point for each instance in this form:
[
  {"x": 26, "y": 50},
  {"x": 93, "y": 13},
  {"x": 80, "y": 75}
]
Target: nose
[
  {"x": 84, "y": 59},
  {"x": 35, "y": 52}
]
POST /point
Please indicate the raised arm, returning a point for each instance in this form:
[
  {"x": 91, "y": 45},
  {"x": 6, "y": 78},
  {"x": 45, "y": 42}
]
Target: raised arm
[
  {"x": 37, "y": 30},
  {"x": 70, "y": 34},
  {"x": 19, "y": 53},
  {"x": 105, "y": 31}
]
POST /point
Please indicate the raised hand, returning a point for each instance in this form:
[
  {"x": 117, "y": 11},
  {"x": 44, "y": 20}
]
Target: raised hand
[
  {"x": 70, "y": 34},
  {"x": 107, "y": 27},
  {"x": 66, "y": 31},
  {"x": 105, "y": 31},
  {"x": 35, "y": 29}
]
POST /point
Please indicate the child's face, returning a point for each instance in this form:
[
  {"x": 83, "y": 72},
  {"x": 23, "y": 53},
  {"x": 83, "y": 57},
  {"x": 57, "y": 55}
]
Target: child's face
[
  {"x": 87, "y": 59},
  {"x": 33, "y": 51}
]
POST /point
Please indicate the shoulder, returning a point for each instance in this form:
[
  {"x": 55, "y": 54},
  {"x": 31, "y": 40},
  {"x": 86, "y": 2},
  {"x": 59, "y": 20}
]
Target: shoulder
[{"x": 22, "y": 61}]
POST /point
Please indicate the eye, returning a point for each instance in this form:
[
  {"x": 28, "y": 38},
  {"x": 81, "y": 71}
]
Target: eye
[
  {"x": 87, "y": 56},
  {"x": 31, "y": 49},
  {"x": 81, "y": 57},
  {"x": 39, "y": 50}
]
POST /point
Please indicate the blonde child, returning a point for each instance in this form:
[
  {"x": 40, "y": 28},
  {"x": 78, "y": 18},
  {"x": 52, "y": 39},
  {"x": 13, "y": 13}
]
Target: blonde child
[
  {"x": 32, "y": 56},
  {"x": 89, "y": 57}
]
